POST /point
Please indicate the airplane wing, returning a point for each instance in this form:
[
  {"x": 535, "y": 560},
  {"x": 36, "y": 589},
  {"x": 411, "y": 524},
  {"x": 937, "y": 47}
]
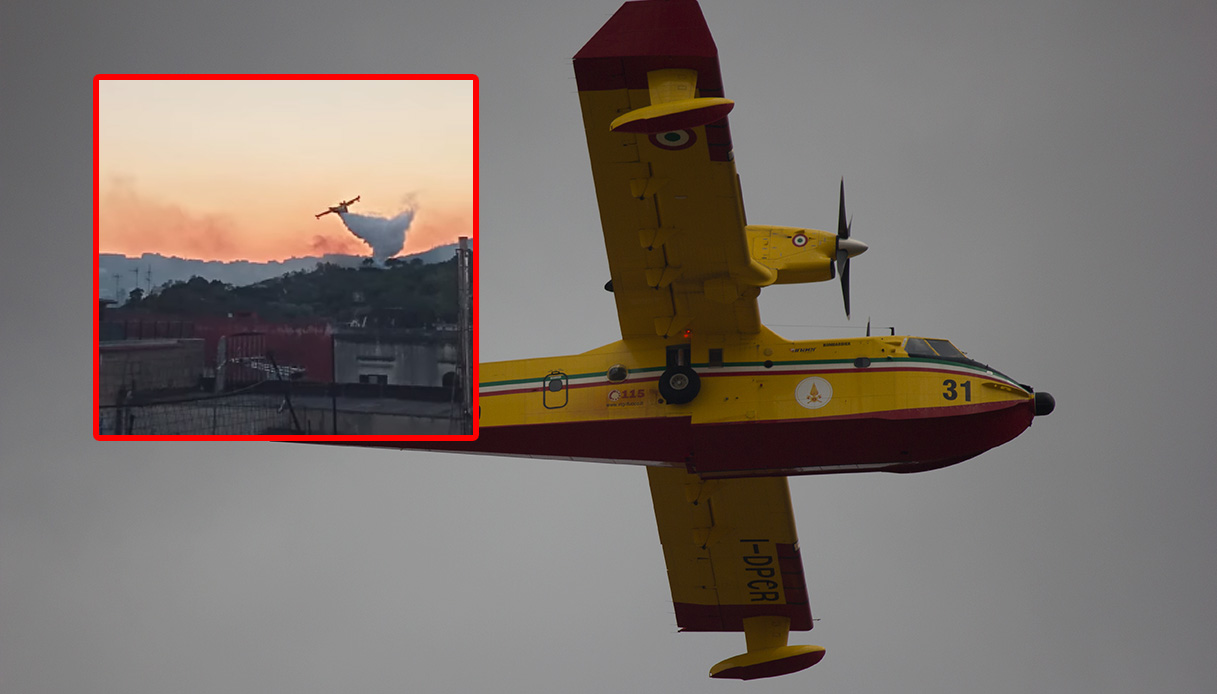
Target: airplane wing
[
  {"x": 734, "y": 565},
  {"x": 669, "y": 198},
  {"x": 731, "y": 550},
  {"x": 674, "y": 229}
]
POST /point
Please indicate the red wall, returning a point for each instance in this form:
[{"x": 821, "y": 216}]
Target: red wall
[{"x": 306, "y": 343}]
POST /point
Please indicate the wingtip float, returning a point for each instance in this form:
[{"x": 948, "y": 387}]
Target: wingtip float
[
  {"x": 673, "y": 105},
  {"x": 767, "y": 662},
  {"x": 716, "y": 406}
]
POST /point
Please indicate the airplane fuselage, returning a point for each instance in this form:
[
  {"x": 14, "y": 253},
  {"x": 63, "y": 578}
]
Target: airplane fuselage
[
  {"x": 340, "y": 208},
  {"x": 766, "y": 406}
]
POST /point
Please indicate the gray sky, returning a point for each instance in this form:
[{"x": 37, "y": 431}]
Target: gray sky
[{"x": 1036, "y": 182}]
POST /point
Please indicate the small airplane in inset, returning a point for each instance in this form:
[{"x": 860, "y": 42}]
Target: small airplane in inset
[{"x": 339, "y": 208}]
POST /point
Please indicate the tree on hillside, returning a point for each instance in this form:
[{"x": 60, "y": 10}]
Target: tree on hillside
[{"x": 422, "y": 293}]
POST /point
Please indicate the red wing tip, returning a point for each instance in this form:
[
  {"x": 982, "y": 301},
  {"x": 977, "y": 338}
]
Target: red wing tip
[{"x": 652, "y": 27}]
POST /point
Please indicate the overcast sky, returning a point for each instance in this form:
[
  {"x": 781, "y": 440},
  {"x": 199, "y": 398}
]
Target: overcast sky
[{"x": 1036, "y": 181}]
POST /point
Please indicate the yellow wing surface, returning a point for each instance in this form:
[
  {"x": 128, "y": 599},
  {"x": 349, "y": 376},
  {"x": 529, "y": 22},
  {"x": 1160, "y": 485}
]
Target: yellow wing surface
[
  {"x": 731, "y": 550},
  {"x": 681, "y": 267},
  {"x": 733, "y": 564},
  {"x": 669, "y": 197}
]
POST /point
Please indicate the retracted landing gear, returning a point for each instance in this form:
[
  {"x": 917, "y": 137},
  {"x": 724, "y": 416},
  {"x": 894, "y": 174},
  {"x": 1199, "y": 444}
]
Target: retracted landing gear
[{"x": 679, "y": 385}]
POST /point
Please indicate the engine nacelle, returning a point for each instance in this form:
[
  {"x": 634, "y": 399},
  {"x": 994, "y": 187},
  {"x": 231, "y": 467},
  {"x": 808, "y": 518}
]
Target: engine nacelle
[{"x": 796, "y": 255}]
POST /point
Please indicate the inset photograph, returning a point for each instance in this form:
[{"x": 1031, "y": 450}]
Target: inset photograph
[{"x": 285, "y": 256}]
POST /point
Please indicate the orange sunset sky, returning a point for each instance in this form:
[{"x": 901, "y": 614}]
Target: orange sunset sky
[{"x": 231, "y": 169}]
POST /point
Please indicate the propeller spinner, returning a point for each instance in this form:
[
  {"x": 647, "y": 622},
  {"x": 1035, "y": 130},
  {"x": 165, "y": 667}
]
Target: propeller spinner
[{"x": 846, "y": 249}]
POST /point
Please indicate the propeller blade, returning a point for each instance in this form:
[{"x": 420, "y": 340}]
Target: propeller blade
[
  {"x": 842, "y": 224},
  {"x": 845, "y": 286},
  {"x": 846, "y": 249}
]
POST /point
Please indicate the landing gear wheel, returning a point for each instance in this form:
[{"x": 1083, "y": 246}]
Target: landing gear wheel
[{"x": 679, "y": 384}]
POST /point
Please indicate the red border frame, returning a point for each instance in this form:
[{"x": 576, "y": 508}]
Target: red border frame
[{"x": 474, "y": 266}]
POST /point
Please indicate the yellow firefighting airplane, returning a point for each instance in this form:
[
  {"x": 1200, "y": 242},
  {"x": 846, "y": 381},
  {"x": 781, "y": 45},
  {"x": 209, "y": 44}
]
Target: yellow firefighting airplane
[
  {"x": 718, "y": 408},
  {"x": 340, "y": 208}
]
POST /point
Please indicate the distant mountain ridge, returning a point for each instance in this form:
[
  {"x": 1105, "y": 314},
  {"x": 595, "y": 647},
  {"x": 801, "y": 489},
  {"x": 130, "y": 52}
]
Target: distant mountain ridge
[{"x": 133, "y": 272}]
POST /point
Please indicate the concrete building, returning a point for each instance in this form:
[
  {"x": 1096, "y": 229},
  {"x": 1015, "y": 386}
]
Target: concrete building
[
  {"x": 395, "y": 356},
  {"x": 148, "y": 366}
]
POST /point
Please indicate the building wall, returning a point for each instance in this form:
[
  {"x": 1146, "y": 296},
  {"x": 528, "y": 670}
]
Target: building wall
[
  {"x": 304, "y": 343},
  {"x": 148, "y": 365},
  {"x": 402, "y": 360}
]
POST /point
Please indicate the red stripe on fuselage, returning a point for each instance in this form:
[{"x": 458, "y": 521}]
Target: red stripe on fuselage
[
  {"x": 710, "y": 373},
  {"x": 897, "y": 441}
]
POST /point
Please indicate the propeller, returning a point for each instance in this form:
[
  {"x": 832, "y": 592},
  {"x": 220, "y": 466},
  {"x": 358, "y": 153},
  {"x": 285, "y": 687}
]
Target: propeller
[{"x": 846, "y": 249}]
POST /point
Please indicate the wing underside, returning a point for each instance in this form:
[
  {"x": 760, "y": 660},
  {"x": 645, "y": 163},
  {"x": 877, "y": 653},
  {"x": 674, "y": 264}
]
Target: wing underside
[
  {"x": 680, "y": 265},
  {"x": 669, "y": 198},
  {"x": 731, "y": 550}
]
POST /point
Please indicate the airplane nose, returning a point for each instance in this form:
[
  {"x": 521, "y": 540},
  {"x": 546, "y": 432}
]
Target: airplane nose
[{"x": 1044, "y": 404}]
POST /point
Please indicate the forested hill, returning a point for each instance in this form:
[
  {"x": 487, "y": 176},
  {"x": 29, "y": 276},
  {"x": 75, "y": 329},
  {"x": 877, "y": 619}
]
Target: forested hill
[
  {"x": 118, "y": 273},
  {"x": 415, "y": 293}
]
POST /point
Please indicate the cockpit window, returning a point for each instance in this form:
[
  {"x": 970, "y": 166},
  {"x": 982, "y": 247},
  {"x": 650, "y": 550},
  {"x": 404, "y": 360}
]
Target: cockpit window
[
  {"x": 941, "y": 350},
  {"x": 945, "y": 349},
  {"x": 917, "y": 347}
]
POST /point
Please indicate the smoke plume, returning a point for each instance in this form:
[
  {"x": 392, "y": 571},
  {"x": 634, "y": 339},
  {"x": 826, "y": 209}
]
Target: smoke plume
[
  {"x": 133, "y": 222},
  {"x": 342, "y": 246},
  {"x": 385, "y": 237}
]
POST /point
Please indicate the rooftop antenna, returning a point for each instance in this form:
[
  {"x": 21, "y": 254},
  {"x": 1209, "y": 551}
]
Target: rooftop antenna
[{"x": 868, "y": 326}]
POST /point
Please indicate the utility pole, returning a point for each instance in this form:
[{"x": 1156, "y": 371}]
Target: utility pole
[{"x": 464, "y": 369}]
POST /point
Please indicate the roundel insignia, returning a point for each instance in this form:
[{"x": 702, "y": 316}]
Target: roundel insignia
[
  {"x": 800, "y": 240},
  {"x": 674, "y": 139},
  {"x": 614, "y": 395},
  {"x": 813, "y": 392}
]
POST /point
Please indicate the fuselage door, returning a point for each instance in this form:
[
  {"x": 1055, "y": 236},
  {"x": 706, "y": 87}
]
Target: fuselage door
[{"x": 555, "y": 391}]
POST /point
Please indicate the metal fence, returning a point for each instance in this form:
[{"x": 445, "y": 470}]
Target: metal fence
[
  {"x": 255, "y": 409},
  {"x": 161, "y": 387}
]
